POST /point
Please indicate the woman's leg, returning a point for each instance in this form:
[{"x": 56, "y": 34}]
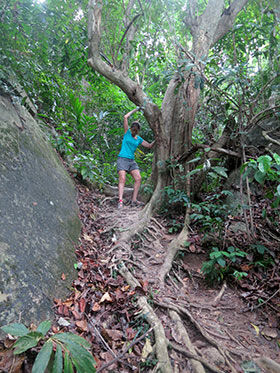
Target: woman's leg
[
  {"x": 137, "y": 178},
  {"x": 122, "y": 175}
]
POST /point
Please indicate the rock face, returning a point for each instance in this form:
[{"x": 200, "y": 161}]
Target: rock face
[{"x": 39, "y": 223}]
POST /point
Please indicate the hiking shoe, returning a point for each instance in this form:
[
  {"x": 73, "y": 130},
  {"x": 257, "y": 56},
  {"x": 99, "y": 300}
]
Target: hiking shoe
[
  {"x": 136, "y": 203},
  {"x": 120, "y": 205}
]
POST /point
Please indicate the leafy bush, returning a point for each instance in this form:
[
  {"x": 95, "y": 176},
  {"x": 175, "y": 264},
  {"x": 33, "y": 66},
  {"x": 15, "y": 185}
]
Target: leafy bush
[
  {"x": 210, "y": 214},
  {"x": 59, "y": 353},
  {"x": 265, "y": 170},
  {"x": 220, "y": 264}
]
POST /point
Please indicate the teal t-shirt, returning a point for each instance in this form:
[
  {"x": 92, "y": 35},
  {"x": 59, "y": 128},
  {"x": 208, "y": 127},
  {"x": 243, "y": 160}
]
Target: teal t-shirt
[{"x": 129, "y": 145}]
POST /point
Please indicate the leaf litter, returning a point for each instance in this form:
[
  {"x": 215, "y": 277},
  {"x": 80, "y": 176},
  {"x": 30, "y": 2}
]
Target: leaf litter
[{"x": 103, "y": 309}]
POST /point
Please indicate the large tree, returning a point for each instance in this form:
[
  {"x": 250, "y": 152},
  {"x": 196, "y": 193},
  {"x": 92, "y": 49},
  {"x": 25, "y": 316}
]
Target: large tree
[
  {"x": 195, "y": 27},
  {"x": 173, "y": 122}
]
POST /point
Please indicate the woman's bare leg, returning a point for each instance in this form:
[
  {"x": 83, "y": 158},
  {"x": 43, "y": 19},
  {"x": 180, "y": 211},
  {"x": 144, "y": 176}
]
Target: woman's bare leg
[
  {"x": 122, "y": 176},
  {"x": 137, "y": 178}
]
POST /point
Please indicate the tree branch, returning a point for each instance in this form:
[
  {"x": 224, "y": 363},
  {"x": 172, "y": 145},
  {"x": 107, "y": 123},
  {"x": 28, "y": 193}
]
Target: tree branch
[
  {"x": 130, "y": 23},
  {"x": 187, "y": 155},
  {"x": 227, "y": 19},
  {"x": 120, "y": 78}
]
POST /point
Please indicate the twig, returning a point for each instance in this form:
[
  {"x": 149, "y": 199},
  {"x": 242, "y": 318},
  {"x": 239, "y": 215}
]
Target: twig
[
  {"x": 265, "y": 135},
  {"x": 261, "y": 304},
  {"x": 120, "y": 356},
  {"x": 100, "y": 336},
  {"x": 178, "y": 278},
  {"x": 234, "y": 339},
  {"x": 219, "y": 296}
]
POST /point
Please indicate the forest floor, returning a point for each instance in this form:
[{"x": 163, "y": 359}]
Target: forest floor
[
  {"x": 130, "y": 317},
  {"x": 137, "y": 323}
]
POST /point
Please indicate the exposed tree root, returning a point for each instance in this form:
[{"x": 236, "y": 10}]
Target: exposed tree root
[
  {"x": 203, "y": 332},
  {"x": 195, "y": 357},
  {"x": 164, "y": 363},
  {"x": 136, "y": 243},
  {"x": 172, "y": 249},
  {"x": 181, "y": 331}
]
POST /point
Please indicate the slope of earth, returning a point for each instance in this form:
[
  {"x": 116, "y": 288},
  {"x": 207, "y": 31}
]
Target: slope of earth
[{"x": 138, "y": 324}]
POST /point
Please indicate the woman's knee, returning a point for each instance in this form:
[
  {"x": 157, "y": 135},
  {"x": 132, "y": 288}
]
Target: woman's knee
[
  {"x": 122, "y": 177},
  {"x": 137, "y": 178}
]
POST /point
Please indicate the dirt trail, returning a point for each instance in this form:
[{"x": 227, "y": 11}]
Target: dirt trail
[{"x": 195, "y": 328}]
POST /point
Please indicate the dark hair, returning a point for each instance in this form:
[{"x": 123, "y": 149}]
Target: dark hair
[{"x": 135, "y": 124}]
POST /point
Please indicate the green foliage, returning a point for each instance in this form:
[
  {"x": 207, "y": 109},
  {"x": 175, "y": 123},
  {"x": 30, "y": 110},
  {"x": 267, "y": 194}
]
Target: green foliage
[
  {"x": 221, "y": 264},
  {"x": 175, "y": 226},
  {"x": 209, "y": 214},
  {"x": 262, "y": 256},
  {"x": 265, "y": 170},
  {"x": 52, "y": 349},
  {"x": 175, "y": 197}
]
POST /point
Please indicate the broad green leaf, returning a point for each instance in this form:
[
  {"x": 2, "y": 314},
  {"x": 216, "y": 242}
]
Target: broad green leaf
[
  {"x": 15, "y": 329},
  {"x": 193, "y": 172},
  {"x": 220, "y": 171},
  {"x": 278, "y": 189},
  {"x": 68, "y": 368},
  {"x": 24, "y": 343},
  {"x": 68, "y": 337},
  {"x": 43, "y": 358},
  {"x": 44, "y": 327},
  {"x": 83, "y": 366},
  {"x": 277, "y": 158},
  {"x": 260, "y": 177},
  {"x": 81, "y": 356},
  {"x": 36, "y": 335},
  {"x": 222, "y": 262},
  {"x": 264, "y": 163},
  {"x": 194, "y": 160},
  {"x": 276, "y": 203},
  {"x": 242, "y": 168},
  {"x": 58, "y": 362}
]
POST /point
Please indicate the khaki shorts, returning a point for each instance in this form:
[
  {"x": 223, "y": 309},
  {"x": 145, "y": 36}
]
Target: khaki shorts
[{"x": 126, "y": 164}]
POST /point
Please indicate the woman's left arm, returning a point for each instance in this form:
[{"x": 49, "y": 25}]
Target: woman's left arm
[{"x": 147, "y": 144}]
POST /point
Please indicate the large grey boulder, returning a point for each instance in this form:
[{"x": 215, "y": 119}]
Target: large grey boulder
[{"x": 39, "y": 224}]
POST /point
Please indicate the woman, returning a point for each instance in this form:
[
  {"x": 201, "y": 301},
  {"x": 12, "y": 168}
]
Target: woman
[{"x": 126, "y": 162}]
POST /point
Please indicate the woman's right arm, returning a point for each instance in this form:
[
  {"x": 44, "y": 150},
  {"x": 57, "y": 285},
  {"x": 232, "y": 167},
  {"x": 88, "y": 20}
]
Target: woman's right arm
[{"x": 125, "y": 118}]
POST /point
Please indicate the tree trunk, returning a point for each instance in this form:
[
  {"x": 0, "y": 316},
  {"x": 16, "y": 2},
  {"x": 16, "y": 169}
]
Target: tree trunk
[{"x": 173, "y": 123}]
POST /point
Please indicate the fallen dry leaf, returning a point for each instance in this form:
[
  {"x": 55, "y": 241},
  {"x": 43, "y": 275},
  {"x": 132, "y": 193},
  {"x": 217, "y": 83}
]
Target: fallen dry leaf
[
  {"x": 82, "y": 324},
  {"x": 114, "y": 334},
  {"x": 82, "y": 305},
  {"x": 96, "y": 307},
  {"x": 87, "y": 237},
  {"x": 147, "y": 349},
  {"x": 106, "y": 297}
]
